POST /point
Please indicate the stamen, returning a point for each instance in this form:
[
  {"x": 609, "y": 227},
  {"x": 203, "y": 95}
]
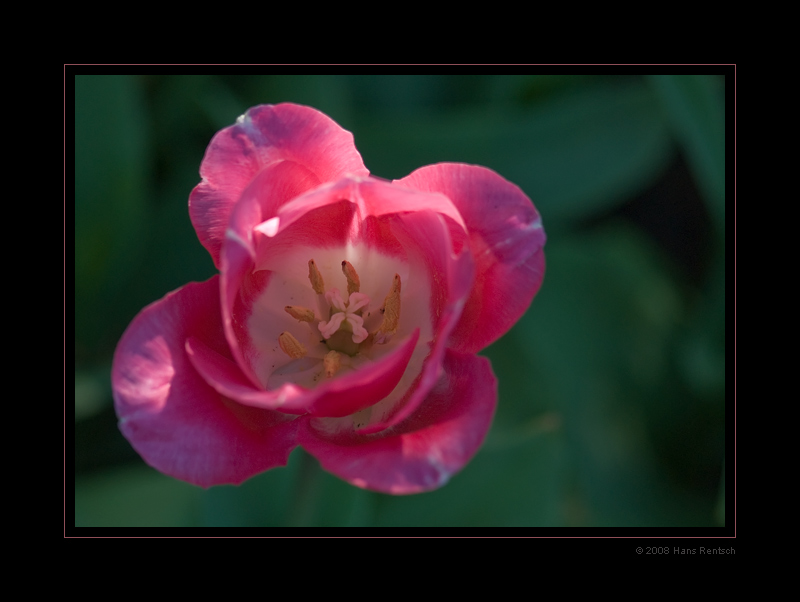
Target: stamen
[
  {"x": 391, "y": 313},
  {"x": 353, "y": 282},
  {"x": 332, "y": 362},
  {"x": 300, "y": 313},
  {"x": 315, "y": 277},
  {"x": 291, "y": 346},
  {"x": 343, "y": 331}
]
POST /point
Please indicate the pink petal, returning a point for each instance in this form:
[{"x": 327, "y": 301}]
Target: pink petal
[
  {"x": 429, "y": 447},
  {"x": 425, "y": 237},
  {"x": 368, "y": 197},
  {"x": 338, "y": 397},
  {"x": 177, "y": 422},
  {"x": 506, "y": 239},
  {"x": 271, "y": 188},
  {"x": 242, "y": 280},
  {"x": 239, "y": 288},
  {"x": 264, "y": 136},
  {"x": 364, "y": 387}
]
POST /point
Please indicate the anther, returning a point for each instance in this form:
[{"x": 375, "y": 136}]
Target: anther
[
  {"x": 332, "y": 362},
  {"x": 353, "y": 282},
  {"x": 391, "y": 313},
  {"x": 291, "y": 346},
  {"x": 316, "y": 278},
  {"x": 302, "y": 314}
]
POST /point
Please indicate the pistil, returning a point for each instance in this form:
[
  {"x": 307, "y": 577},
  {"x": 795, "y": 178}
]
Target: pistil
[{"x": 345, "y": 315}]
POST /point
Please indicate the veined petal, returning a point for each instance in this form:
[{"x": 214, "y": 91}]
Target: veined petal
[
  {"x": 342, "y": 396},
  {"x": 368, "y": 197},
  {"x": 425, "y": 450},
  {"x": 172, "y": 417},
  {"x": 361, "y": 388},
  {"x": 242, "y": 279},
  {"x": 506, "y": 239},
  {"x": 425, "y": 236},
  {"x": 239, "y": 286},
  {"x": 266, "y": 135}
]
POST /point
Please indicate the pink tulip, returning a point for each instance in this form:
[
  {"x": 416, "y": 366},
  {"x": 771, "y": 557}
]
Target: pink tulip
[{"x": 345, "y": 318}]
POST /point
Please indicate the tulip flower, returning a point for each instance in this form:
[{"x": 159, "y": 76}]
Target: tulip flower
[{"x": 345, "y": 318}]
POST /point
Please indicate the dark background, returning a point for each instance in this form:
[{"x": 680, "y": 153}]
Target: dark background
[{"x": 612, "y": 386}]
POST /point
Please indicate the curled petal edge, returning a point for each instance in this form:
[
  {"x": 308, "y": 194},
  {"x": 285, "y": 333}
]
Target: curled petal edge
[
  {"x": 339, "y": 397},
  {"x": 423, "y": 452},
  {"x": 506, "y": 238},
  {"x": 264, "y": 136}
]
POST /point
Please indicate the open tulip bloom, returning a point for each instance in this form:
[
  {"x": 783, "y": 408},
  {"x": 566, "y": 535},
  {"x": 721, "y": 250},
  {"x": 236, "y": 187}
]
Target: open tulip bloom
[{"x": 345, "y": 318}]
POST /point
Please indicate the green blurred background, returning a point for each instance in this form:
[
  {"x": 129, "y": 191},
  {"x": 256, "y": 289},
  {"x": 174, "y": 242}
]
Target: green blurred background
[{"x": 612, "y": 386}]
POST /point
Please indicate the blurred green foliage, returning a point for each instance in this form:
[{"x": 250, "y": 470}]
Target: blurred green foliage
[{"x": 612, "y": 387}]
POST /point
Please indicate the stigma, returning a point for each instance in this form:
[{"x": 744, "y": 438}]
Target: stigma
[{"x": 345, "y": 315}]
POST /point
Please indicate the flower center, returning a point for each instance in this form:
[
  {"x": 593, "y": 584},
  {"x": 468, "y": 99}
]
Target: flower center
[
  {"x": 341, "y": 321},
  {"x": 345, "y": 329}
]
